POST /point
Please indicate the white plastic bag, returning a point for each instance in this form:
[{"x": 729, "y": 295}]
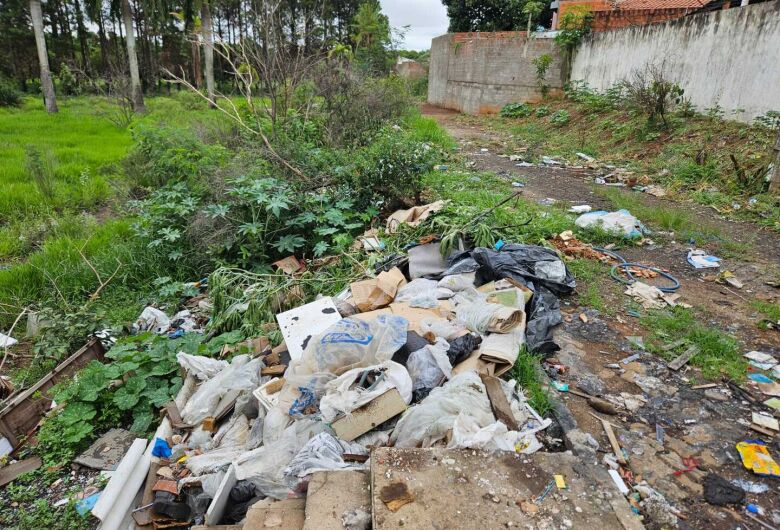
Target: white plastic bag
[
  {"x": 429, "y": 365},
  {"x": 324, "y": 452},
  {"x": 228, "y": 444},
  {"x": 621, "y": 222},
  {"x": 429, "y": 421},
  {"x": 152, "y": 319},
  {"x": 242, "y": 374},
  {"x": 351, "y": 343},
  {"x": 439, "y": 327},
  {"x": 341, "y": 397},
  {"x": 200, "y": 366},
  {"x": 458, "y": 282}
]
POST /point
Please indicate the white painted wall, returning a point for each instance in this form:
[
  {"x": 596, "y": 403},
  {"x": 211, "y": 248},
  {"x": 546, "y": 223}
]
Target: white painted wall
[{"x": 730, "y": 58}]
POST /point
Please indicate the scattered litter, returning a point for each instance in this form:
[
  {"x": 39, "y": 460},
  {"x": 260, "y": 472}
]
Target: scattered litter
[
  {"x": 749, "y": 486},
  {"x": 621, "y": 222},
  {"x": 549, "y": 161},
  {"x": 586, "y": 158},
  {"x": 584, "y": 208},
  {"x": 766, "y": 421},
  {"x": 6, "y": 341},
  {"x": 721, "y": 492},
  {"x": 517, "y": 184},
  {"x": 699, "y": 259},
  {"x": 618, "y": 480},
  {"x": 413, "y": 216},
  {"x": 756, "y": 457},
  {"x": 299, "y": 325},
  {"x": 547, "y": 202},
  {"x": 760, "y": 378}
]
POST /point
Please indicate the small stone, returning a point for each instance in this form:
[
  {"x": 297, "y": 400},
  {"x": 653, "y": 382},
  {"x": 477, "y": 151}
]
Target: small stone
[
  {"x": 578, "y": 509},
  {"x": 495, "y": 499}
]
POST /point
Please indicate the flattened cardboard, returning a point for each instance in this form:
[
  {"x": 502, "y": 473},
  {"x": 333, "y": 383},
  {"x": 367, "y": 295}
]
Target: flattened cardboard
[{"x": 378, "y": 292}]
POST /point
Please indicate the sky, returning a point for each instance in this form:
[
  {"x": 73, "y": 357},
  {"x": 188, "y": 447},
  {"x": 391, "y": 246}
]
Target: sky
[{"x": 426, "y": 19}]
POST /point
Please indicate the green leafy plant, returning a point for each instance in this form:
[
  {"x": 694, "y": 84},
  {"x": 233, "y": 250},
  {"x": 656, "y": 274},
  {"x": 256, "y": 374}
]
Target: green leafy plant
[
  {"x": 770, "y": 120},
  {"x": 516, "y": 110},
  {"x": 9, "y": 96},
  {"x": 573, "y": 26},
  {"x": 69, "y": 85},
  {"x": 41, "y": 166},
  {"x": 560, "y": 117},
  {"x": 542, "y": 64},
  {"x": 542, "y": 111},
  {"x": 141, "y": 378}
]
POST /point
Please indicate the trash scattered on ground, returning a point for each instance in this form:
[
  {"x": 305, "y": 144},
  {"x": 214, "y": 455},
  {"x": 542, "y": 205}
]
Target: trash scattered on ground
[
  {"x": 583, "y": 208},
  {"x": 755, "y": 457},
  {"x": 620, "y": 222},
  {"x": 699, "y": 259}
]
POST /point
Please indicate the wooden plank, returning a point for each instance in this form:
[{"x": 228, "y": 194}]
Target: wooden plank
[
  {"x": 498, "y": 402},
  {"x": 683, "y": 359},
  {"x": 613, "y": 441},
  {"x": 10, "y": 472},
  {"x": 175, "y": 416},
  {"x": 275, "y": 370},
  {"x": 376, "y": 412}
]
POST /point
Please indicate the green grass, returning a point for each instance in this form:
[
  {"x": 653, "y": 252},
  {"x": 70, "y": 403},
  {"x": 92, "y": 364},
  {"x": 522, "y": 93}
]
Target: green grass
[
  {"x": 769, "y": 311},
  {"x": 526, "y": 373},
  {"x": 424, "y": 129},
  {"x": 589, "y": 274},
  {"x": 720, "y": 354}
]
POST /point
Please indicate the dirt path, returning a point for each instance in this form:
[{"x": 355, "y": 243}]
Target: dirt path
[{"x": 705, "y": 424}]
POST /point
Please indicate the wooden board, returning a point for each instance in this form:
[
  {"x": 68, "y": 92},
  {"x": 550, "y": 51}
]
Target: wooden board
[
  {"x": 498, "y": 402},
  {"x": 10, "y": 472},
  {"x": 362, "y": 420},
  {"x": 683, "y": 359},
  {"x": 20, "y": 415},
  {"x": 613, "y": 441}
]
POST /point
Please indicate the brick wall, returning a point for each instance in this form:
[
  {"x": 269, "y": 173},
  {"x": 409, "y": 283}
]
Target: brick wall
[
  {"x": 606, "y": 17},
  {"x": 481, "y": 72}
]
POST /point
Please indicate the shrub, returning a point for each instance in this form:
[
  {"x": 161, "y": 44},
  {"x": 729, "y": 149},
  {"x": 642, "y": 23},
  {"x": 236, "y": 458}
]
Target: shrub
[
  {"x": 770, "y": 120},
  {"x": 69, "y": 85},
  {"x": 650, "y": 92},
  {"x": 516, "y": 110},
  {"x": 542, "y": 111},
  {"x": 560, "y": 117},
  {"x": 9, "y": 96},
  {"x": 162, "y": 155},
  {"x": 41, "y": 167},
  {"x": 542, "y": 64}
]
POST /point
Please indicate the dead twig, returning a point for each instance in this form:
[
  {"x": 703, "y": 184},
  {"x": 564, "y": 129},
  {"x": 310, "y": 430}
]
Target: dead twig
[
  {"x": 101, "y": 284},
  {"x": 11, "y": 330}
]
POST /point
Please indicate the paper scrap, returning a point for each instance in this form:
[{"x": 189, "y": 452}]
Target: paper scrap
[
  {"x": 618, "y": 480},
  {"x": 765, "y": 420}
]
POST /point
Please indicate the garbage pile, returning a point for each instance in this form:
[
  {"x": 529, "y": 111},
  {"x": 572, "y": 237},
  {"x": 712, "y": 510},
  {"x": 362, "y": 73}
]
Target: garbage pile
[{"x": 409, "y": 358}]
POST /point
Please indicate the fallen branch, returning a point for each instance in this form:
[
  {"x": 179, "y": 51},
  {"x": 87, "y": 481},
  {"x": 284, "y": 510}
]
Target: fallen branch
[{"x": 11, "y": 330}]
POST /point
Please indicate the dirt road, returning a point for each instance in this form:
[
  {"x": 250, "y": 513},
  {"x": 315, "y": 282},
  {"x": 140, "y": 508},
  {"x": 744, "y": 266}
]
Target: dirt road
[{"x": 700, "y": 426}]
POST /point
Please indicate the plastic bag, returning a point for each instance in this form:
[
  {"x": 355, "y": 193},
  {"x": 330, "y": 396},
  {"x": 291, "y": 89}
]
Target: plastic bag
[
  {"x": 228, "y": 444},
  {"x": 351, "y": 343},
  {"x": 482, "y": 316},
  {"x": 458, "y": 282},
  {"x": 545, "y": 314},
  {"x": 524, "y": 263},
  {"x": 414, "y": 288},
  {"x": 152, "y": 319},
  {"x": 428, "y": 422},
  {"x": 461, "y": 347},
  {"x": 324, "y": 452},
  {"x": 342, "y": 395},
  {"x": 621, "y": 222},
  {"x": 242, "y": 374},
  {"x": 255, "y": 438},
  {"x": 430, "y": 365},
  {"x": 439, "y": 327},
  {"x": 200, "y": 366},
  {"x": 265, "y": 465}
]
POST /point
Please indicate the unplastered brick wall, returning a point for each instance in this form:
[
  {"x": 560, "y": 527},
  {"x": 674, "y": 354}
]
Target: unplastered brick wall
[
  {"x": 481, "y": 72},
  {"x": 727, "y": 59}
]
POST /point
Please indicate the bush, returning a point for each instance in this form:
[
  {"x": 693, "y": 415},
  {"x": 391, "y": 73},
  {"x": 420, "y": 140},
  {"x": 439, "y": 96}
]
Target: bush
[
  {"x": 560, "y": 117},
  {"x": 69, "y": 85},
  {"x": 162, "y": 155},
  {"x": 650, "y": 92},
  {"x": 770, "y": 120},
  {"x": 542, "y": 111},
  {"x": 516, "y": 110},
  {"x": 9, "y": 96}
]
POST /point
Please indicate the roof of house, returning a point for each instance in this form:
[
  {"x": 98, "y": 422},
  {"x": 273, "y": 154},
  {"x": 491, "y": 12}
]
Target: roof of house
[{"x": 660, "y": 4}]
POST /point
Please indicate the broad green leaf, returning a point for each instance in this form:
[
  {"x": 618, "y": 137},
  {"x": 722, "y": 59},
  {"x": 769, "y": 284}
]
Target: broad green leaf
[
  {"x": 141, "y": 421},
  {"x": 124, "y": 399},
  {"x": 321, "y": 248},
  {"x": 77, "y": 432},
  {"x": 77, "y": 411}
]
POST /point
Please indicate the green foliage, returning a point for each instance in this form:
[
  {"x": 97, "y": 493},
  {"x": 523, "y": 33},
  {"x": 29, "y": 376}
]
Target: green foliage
[
  {"x": 69, "y": 85},
  {"x": 720, "y": 354},
  {"x": 542, "y": 64},
  {"x": 372, "y": 38},
  {"x": 573, "y": 26},
  {"x": 9, "y": 96},
  {"x": 163, "y": 154},
  {"x": 542, "y": 111},
  {"x": 516, "y": 110},
  {"x": 560, "y": 117},
  {"x": 485, "y": 15},
  {"x": 141, "y": 377},
  {"x": 769, "y": 311},
  {"x": 526, "y": 372},
  {"x": 770, "y": 120},
  {"x": 652, "y": 93},
  {"x": 41, "y": 167}
]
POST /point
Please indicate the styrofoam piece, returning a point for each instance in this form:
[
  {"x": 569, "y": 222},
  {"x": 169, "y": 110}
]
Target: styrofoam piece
[
  {"x": 217, "y": 507},
  {"x": 5, "y": 446},
  {"x": 266, "y": 400},
  {"x": 618, "y": 480},
  {"x": 299, "y": 325},
  {"x": 6, "y": 341}
]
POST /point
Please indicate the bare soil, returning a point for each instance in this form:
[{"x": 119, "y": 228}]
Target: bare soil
[{"x": 694, "y": 425}]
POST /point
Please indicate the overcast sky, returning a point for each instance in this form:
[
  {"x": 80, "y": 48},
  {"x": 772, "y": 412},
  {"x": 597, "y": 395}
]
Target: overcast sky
[{"x": 426, "y": 19}]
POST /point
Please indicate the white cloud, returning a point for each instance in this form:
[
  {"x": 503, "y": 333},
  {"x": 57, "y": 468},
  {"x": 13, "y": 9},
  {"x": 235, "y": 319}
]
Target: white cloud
[{"x": 426, "y": 19}]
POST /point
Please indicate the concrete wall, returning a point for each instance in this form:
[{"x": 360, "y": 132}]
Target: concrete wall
[
  {"x": 730, "y": 58},
  {"x": 482, "y": 72}
]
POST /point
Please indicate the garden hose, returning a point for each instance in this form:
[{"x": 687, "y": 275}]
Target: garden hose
[{"x": 626, "y": 267}]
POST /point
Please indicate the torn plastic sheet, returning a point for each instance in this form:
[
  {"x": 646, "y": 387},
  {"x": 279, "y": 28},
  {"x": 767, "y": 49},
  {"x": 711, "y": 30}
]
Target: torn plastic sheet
[
  {"x": 343, "y": 395},
  {"x": 152, "y": 319},
  {"x": 228, "y": 444},
  {"x": 466, "y": 434},
  {"x": 200, "y": 366},
  {"x": 524, "y": 264},
  {"x": 264, "y": 467},
  {"x": 544, "y": 315},
  {"x": 242, "y": 374},
  {"x": 621, "y": 222},
  {"x": 324, "y": 452}
]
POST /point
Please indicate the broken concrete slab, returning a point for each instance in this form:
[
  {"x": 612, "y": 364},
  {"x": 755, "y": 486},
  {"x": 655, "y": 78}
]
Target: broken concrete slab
[
  {"x": 288, "y": 514},
  {"x": 106, "y": 452},
  {"x": 333, "y": 495},
  {"x": 465, "y": 489}
]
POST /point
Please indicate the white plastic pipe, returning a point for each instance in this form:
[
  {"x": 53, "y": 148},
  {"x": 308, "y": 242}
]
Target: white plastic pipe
[{"x": 116, "y": 485}]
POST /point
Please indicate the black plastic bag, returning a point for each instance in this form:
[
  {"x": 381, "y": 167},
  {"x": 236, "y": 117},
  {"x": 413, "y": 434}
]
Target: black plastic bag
[
  {"x": 462, "y": 347},
  {"x": 523, "y": 263}
]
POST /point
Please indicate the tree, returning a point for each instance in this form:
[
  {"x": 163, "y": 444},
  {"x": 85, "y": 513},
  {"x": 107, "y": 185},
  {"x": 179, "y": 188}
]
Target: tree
[
  {"x": 47, "y": 86},
  {"x": 208, "y": 49},
  {"x": 533, "y": 9},
  {"x": 132, "y": 58},
  {"x": 371, "y": 35},
  {"x": 484, "y": 15}
]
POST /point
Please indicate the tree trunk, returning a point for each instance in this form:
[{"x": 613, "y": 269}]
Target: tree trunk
[
  {"x": 103, "y": 43},
  {"x": 82, "y": 34},
  {"x": 132, "y": 58},
  {"x": 774, "y": 184},
  {"x": 208, "y": 50},
  {"x": 527, "y": 36},
  {"x": 47, "y": 86}
]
